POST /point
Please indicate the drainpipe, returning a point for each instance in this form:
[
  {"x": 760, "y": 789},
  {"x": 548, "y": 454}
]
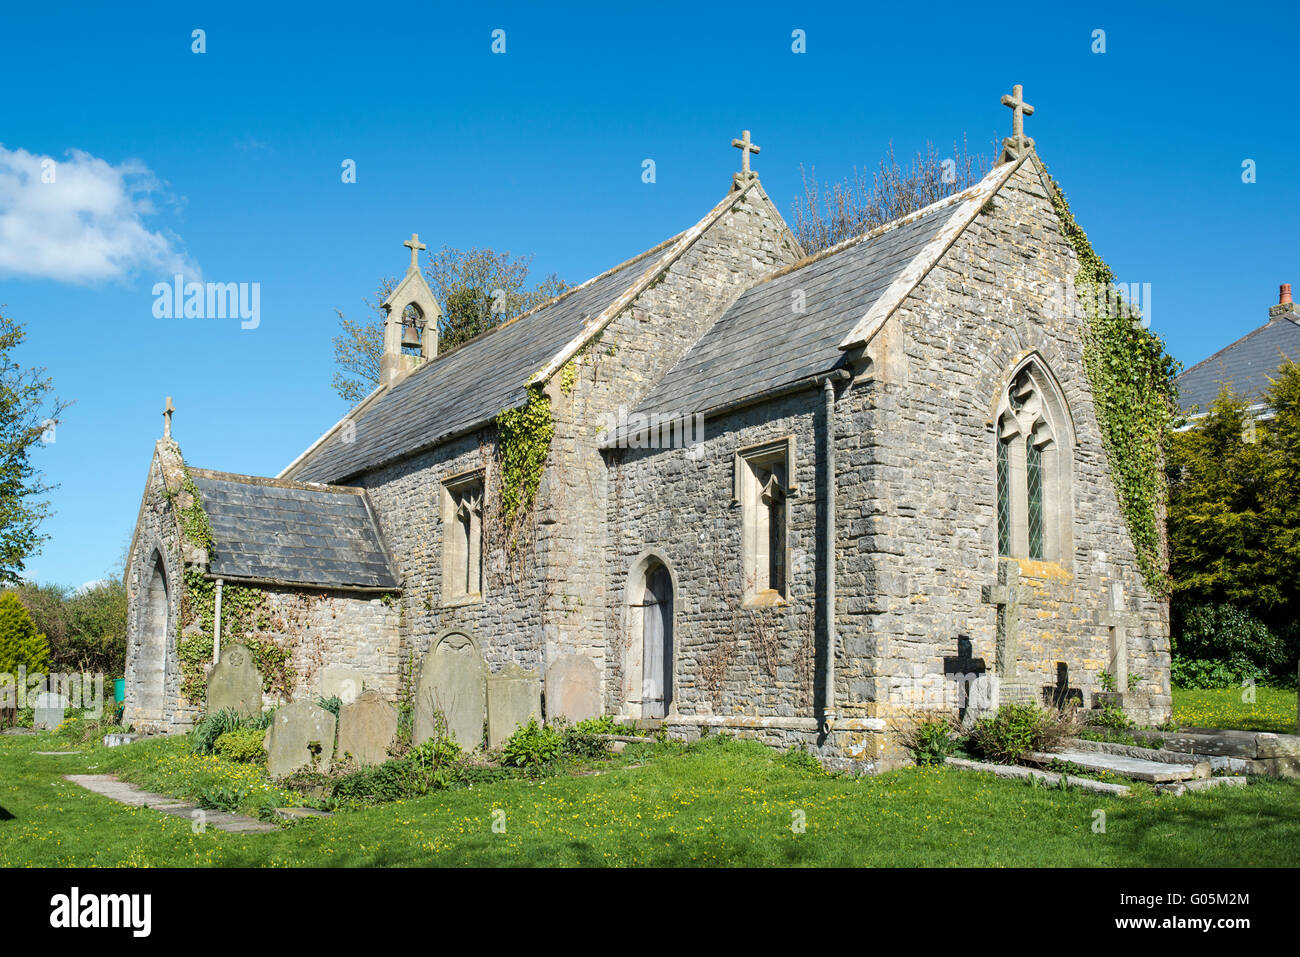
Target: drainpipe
[
  {"x": 828, "y": 593},
  {"x": 216, "y": 625}
]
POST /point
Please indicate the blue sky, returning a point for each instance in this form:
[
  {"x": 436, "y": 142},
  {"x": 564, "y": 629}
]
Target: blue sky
[{"x": 229, "y": 162}]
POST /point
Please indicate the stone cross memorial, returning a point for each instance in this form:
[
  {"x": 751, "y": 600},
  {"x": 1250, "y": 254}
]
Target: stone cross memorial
[{"x": 1006, "y": 596}]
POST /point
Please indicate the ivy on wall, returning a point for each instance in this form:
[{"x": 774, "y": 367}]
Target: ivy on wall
[
  {"x": 525, "y": 435},
  {"x": 1132, "y": 380},
  {"x": 245, "y": 614}
]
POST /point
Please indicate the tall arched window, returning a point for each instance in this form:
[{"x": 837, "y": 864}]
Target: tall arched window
[{"x": 1034, "y": 458}]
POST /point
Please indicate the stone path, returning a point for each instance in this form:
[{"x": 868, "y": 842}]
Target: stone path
[
  {"x": 110, "y": 787},
  {"x": 1139, "y": 769}
]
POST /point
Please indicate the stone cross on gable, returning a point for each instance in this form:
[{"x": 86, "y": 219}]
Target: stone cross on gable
[
  {"x": 746, "y": 147},
  {"x": 168, "y": 410},
  {"x": 1014, "y": 145},
  {"x": 1119, "y": 620},
  {"x": 414, "y": 245},
  {"x": 1006, "y": 596}
]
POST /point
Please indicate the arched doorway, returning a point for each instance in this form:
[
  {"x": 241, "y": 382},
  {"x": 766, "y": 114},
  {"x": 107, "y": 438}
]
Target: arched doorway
[
  {"x": 648, "y": 661},
  {"x": 151, "y": 662}
]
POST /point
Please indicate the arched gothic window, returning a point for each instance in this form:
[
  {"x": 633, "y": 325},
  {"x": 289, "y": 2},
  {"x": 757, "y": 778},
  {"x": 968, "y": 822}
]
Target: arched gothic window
[{"x": 1035, "y": 451}]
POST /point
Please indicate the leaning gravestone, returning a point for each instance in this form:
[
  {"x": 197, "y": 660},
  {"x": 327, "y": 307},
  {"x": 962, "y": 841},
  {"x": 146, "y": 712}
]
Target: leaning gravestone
[
  {"x": 235, "y": 683},
  {"x": 301, "y": 735},
  {"x": 573, "y": 688},
  {"x": 48, "y": 710},
  {"x": 452, "y": 681},
  {"x": 367, "y": 728},
  {"x": 514, "y": 696}
]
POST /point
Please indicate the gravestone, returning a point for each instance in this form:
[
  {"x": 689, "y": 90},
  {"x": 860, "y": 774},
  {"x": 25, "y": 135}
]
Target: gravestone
[
  {"x": 301, "y": 735},
  {"x": 452, "y": 681},
  {"x": 235, "y": 683},
  {"x": 573, "y": 688},
  {"x": 514, "y": 696},
  {"x": 346, "y": 684},
  {"x": 49, "y": 709},
  {"x": 367, "y": 727}
]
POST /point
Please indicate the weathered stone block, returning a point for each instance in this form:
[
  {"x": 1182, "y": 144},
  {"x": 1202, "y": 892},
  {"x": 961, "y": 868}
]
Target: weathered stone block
[
  {"x": 573, "y": 688},
  {"x": 235, "y": 683},
  {"x": 514, "y": 696},
  {"x": 452, "y": 683},
  {"x": 367, "y": 727},
  {"x": 301, "y": 735}
]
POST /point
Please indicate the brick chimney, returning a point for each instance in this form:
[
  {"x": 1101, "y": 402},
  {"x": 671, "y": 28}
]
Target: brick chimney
[{"x": 1284, "y": 303}]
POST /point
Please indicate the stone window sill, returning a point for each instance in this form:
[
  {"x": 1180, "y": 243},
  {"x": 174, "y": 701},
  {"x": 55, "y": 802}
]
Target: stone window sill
[
  {"x": 767, "y": 598},
  {"x": 456, "y": 601}
]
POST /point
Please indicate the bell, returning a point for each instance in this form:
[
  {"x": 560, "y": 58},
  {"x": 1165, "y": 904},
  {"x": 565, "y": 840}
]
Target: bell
[{"x": 410, "y": 334}]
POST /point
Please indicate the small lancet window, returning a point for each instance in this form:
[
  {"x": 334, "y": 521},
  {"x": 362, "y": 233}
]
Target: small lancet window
[
  {"x": 462, "y": 566},
  {"x": 764, "y": 490}
]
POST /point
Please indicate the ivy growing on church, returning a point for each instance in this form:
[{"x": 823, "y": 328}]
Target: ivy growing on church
[
  {"x": 1132, "y": 379},
  {"x": 524, "y": 437}
]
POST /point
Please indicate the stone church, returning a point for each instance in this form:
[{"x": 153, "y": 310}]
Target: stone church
[{"x": 724, "y": 484}]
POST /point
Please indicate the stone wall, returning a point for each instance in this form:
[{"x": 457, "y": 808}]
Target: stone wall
[
  {"x": 157, "y": 539},
  {"x": 553, "y": 599},
  {"x": 618, "y": 370},
  {"x": 920, "y": 489},
  {"x": 340, "y": 641},
  {"x": 915, "y": 519}
]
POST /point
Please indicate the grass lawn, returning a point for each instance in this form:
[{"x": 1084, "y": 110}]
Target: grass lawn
[
  {"x": 1273, "y": 709},
  {"x": 719, "y": 803}
]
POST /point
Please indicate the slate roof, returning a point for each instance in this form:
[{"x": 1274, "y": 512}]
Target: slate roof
[
  {"x": 761, "y": 343},
  {"x": 466, "y": 386},
  {"x": 271, "y": 531},
  {"x": 1246, "y": 365}
]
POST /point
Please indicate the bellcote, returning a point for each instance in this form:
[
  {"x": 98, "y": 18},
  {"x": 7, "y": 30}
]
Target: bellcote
[{"x": 411, "y": 317}]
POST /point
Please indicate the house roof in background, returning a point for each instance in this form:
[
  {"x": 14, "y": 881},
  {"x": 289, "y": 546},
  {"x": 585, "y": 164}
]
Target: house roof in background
[{"x": 1246, "y": 365}]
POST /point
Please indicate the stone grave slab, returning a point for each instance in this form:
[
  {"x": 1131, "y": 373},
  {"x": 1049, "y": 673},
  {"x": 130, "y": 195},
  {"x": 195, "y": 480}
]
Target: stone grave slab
[
  {"x": 573, "y": 688},
  {"x": 1139, "y": 769},
  {"x": 514, "y": 696},
  {"x": 453, "y": 681},
  {"x": 367, "y": 727},
  {"x": 301, "y": 736},
  {"x": 235, "y": 683}
]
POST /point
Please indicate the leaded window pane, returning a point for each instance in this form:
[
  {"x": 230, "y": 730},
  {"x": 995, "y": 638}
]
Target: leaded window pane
[
  {"x": 1004, "y": 500},
  {"x": 1034, "y": 468}
]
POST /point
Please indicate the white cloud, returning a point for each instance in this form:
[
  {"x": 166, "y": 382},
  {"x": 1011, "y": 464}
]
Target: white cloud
[{"x": 85, "y": 226}]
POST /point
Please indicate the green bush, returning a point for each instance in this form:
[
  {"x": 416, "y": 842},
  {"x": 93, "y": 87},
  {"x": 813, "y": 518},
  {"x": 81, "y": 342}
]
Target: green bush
[
  {"x": 433, "y": 763},
  {"x": 1018, "y": 728},
  {"x": 242, "y": 744},
  {"x": 1228, "y": 634},
  {"x": 931, "y": 741},
  {"x": 333, "y": 704},
  {"x": 390, "y": 781},
  {"x": 220, "y": 798},
  {"x": 533, "y": 745},
  {"x": 1202, "y": 674},
  {"x": 21, "y": 645},
  {"x": 801, "y": 759},
  {"x": 1109, "y": 718},
  {"x": 204, "y": 734}
]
